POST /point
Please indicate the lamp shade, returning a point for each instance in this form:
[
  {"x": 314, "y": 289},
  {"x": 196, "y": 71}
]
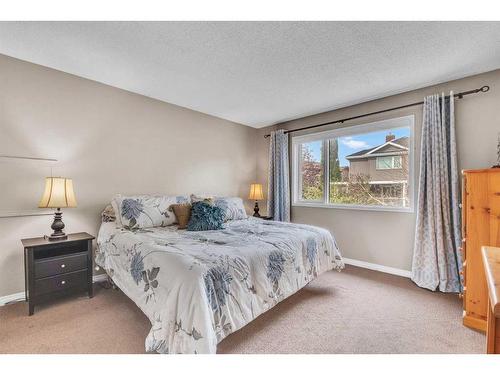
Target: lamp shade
[
  {"x": 256, "y": 192},
  {"x": 58, "y": 193}
]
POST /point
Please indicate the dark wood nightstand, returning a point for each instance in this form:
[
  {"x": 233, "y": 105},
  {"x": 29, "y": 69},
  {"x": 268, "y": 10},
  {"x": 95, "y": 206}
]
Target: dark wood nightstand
[
  {"x": 265, "y": 217},
  {"x": 57, "y": 268}
]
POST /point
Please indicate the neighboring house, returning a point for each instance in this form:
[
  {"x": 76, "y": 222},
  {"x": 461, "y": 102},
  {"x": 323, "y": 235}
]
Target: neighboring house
[{"x": 385, "y": 167}]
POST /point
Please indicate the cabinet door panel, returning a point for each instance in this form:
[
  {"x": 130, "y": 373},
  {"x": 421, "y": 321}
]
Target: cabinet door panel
[
  {"x": 478, "y": 234},
  {"x": 494, "y": 206}
]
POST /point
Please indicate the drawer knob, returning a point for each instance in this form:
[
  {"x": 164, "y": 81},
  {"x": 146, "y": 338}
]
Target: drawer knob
[
  {"x": 63, "y": 265},
  {"x": 63, "y": 282}
]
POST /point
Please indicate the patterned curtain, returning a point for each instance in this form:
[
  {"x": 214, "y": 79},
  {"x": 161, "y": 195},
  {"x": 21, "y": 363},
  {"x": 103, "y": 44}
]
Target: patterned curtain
[
  {"x": 436, "y": 258},
  {"x": 278, "y": 203}
]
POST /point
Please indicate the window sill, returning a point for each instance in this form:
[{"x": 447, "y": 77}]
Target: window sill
[{"x": 408, "y": 210}]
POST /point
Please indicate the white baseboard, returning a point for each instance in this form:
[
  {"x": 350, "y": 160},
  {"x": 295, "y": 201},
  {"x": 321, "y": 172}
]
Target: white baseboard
[
  {"x": 17, "y": 297},
  {"x": 378, "y": 267},
  {"x": 11, "y": 298}
]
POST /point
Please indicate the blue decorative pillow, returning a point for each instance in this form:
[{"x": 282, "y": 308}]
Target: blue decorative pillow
[{"x": 205, "y": 216}]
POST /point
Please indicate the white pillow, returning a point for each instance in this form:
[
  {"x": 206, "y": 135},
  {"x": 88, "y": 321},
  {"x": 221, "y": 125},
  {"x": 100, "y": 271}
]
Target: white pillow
[
  {"x": 233, "y": 208},
  {"x": 202, "y": 198},
  {"x": 146, "y": 211}
]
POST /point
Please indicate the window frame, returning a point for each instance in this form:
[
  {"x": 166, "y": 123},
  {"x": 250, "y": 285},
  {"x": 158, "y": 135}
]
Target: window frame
[
  {"x": 324, "y": 136},
  {"x": 393, "y": 157}
]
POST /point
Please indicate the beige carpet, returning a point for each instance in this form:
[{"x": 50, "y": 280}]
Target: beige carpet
[{"x": 355, "y": 311}]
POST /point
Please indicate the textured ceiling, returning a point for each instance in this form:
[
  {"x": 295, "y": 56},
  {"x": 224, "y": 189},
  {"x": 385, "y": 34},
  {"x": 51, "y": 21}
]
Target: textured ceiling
[{"x": 259, "y": 73}]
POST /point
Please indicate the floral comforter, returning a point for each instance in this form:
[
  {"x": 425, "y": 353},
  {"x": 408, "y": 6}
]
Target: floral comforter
[{"x": 198, "y": 287}]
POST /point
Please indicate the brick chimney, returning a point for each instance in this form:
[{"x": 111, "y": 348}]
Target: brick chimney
[{"x": 390, "y": 137}]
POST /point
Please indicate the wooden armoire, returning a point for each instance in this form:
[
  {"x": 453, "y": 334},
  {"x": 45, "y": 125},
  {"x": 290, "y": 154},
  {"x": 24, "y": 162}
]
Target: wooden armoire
[{"x": 480, "y": 227}]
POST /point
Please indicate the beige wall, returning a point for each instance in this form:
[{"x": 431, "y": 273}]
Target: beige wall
[
  {"x": 113, "y": 141},
  {"x": 386, "y": 238},
  {"x": 109, "y": 141}
]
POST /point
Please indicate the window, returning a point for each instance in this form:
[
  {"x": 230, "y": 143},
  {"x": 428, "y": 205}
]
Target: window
[
  {"x": 389, "y": 162},
  {"x": 311, "y": 171},
  {"x": 366, "y": 166}
]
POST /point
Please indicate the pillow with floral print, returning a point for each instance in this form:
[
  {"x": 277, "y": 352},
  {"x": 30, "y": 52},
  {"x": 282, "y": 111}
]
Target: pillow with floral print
[
  {"x": 147, "y": 211},
  {"x": 233, "y": 208}
]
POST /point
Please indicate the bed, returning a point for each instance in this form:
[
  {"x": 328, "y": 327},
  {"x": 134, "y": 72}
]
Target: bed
[{"x": 196, "y": 288}]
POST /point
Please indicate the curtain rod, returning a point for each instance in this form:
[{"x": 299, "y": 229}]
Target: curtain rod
[{"x": 460, "y": 95}]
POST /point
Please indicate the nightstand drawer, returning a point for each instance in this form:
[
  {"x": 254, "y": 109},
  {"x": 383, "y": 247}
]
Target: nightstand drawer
[
  {"x": 73, "y": 280},
  {"x": 61, "y": 264}
]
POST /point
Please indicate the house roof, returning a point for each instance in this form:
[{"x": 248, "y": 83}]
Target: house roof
[{"x": 401, "y": 143}]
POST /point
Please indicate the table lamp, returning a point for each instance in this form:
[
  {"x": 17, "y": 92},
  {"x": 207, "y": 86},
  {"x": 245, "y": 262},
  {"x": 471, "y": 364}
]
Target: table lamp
[
  {"x": 256, "y": 195},
  {"x": 58, "y": 194}
]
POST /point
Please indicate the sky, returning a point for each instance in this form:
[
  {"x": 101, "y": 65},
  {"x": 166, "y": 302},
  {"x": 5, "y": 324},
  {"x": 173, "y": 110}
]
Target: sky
[{"x": 351, "y": 144}]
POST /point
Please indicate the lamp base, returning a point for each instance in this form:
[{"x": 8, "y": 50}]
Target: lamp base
[
  {"x": 57, "y": 237},
  {"x": 256, "y": 210},
  {"x": 57, "y": 226}
]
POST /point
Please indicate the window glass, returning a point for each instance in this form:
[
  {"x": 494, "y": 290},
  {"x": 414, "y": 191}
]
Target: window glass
[
  {"x": 368, "y": 167},
  {"x": 397, "y": 162},
  {"x": 312, "y": 171},
  {"x": 384, "y": 162}
]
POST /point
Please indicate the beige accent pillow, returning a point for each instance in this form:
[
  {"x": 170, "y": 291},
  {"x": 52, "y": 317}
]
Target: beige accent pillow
[
  {"x": 114, "y": 206},
  {"x": 108, "y": 215},
  {"x": 182, "y": 212}
]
